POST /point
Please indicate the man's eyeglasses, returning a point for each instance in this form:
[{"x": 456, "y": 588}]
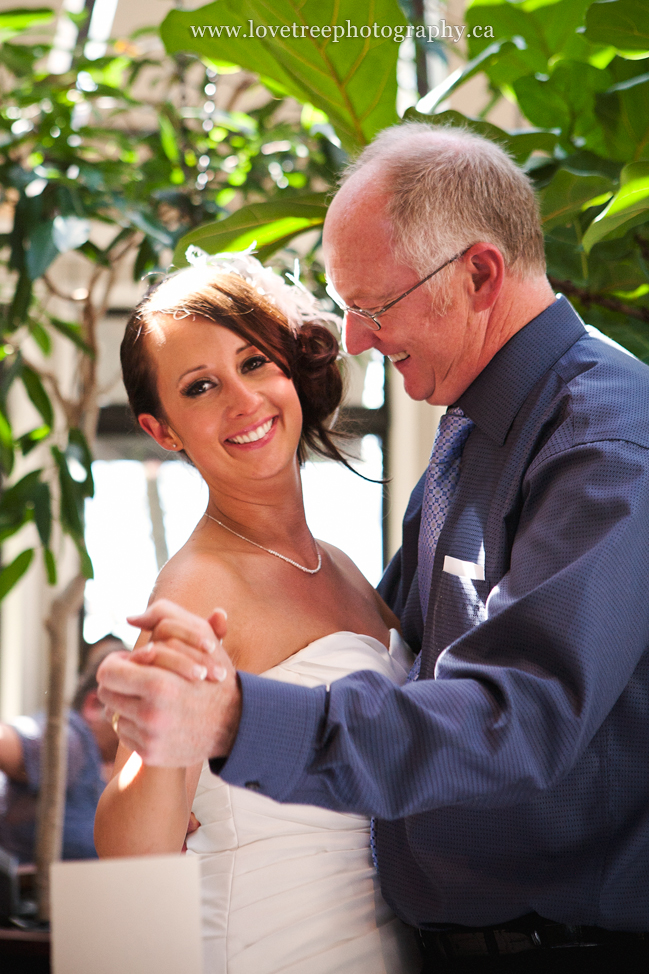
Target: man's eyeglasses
[{"x": 371, "y": 318}]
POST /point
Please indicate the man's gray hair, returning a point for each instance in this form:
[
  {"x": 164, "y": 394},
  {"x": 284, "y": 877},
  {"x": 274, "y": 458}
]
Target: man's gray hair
[{"x": 448, "y": 189}]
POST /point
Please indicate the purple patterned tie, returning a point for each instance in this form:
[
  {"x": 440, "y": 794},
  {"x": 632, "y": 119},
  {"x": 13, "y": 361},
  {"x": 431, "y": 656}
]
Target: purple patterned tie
[
  {"x": 441, "y": 480},
  {"x": 442, "y": 476}
]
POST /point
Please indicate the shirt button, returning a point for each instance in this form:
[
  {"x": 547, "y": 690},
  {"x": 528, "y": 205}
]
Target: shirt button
[{"x": 253, "y": 786}]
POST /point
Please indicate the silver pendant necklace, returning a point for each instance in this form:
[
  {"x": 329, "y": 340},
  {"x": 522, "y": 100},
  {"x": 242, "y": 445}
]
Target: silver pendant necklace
[{"x": 307, "y": 571}]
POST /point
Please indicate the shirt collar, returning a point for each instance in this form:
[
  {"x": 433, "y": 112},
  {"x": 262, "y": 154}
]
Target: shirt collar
[{"x": 495, "y": 396}]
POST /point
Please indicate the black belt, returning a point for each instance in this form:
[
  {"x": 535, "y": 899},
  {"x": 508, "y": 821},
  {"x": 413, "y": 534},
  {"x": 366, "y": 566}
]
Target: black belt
[{"x": 530, "y": 932}]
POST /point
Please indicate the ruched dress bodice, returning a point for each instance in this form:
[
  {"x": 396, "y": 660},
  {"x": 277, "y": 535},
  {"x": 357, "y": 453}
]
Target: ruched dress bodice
[{"x": 292, "y": 888}]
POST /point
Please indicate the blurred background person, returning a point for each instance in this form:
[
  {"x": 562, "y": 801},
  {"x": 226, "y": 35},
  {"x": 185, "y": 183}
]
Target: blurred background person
[{"x": 92, "y": 745}]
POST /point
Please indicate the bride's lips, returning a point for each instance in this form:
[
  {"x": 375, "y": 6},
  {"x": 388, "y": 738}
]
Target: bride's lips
[{"x": 255, "y": 436}]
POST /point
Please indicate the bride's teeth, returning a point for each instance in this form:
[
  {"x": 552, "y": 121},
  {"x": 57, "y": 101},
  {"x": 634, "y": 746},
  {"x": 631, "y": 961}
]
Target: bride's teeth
[
  {"x": 399, "y": 357},
  {"x": 254, "y": 435}
]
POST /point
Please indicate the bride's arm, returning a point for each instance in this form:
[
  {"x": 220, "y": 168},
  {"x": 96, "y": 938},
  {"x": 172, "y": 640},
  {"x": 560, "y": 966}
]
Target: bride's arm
[{"x": 144, "y": 810}]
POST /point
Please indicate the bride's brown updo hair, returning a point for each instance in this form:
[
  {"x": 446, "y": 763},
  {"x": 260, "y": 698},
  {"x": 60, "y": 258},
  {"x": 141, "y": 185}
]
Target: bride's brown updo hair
[{"x": 307, "y": 353}]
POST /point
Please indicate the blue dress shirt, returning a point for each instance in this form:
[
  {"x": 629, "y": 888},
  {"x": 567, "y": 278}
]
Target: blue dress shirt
[{"x": 514, "y": 776}]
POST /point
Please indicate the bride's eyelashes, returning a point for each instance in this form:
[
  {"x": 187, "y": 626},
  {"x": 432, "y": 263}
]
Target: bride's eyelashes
[
  {"x": 254, "y": 362},
  {"x": 199, "y": 386}
]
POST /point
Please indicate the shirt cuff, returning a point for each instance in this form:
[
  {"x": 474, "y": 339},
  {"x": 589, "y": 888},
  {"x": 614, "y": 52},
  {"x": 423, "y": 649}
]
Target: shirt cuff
[{"x": 278, "y": 735}]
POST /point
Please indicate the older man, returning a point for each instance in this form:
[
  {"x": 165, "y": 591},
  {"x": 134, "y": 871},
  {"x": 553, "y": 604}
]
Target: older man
[{"x": 508, "y": 778}]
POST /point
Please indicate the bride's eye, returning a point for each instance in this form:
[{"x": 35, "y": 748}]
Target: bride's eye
[
  {"x": 254, "y": 362},
  {"x": 198, "y": 388}
]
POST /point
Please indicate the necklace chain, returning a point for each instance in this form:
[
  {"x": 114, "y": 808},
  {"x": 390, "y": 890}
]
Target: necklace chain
[{"x": 307, "y": 571}]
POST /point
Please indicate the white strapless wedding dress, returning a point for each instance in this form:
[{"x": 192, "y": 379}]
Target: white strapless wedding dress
[{"x": 292, "y": 888}]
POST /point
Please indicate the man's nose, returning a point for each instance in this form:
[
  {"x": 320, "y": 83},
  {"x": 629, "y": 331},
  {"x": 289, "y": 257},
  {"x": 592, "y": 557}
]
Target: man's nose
[{"x": 357, "y": 336}]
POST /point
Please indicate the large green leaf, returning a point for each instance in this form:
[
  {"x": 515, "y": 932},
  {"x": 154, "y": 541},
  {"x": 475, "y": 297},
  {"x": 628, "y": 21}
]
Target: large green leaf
[
  {"x": 568, "y": 194},
  {"x": 14, "y": 22},
  {"x": 630, "y": 203},
  {"x": 623, "y": 113},
  {"x": 267, "y": 223},
  {"x": 621, "y": 23},
  {"x": 352, "y": 79}
]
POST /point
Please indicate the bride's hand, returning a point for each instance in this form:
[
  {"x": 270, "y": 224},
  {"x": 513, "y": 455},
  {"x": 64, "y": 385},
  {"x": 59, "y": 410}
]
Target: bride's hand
[{"x": 181, "y": 642}]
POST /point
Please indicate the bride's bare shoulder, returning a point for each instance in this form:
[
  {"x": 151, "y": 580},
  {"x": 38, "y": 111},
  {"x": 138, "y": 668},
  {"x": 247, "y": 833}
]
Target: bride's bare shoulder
[
  {"x": 354, "y": 577},
  {"x": 199, "y": 580}
]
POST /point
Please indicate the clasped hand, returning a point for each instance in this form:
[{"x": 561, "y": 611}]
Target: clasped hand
[{"x": 177, "y": 697}]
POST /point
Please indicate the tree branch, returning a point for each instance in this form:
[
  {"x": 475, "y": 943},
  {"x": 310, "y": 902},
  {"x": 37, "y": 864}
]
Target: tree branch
[
  {"x": 603, "y": 300},
  {"x": 53, "y": 289}
]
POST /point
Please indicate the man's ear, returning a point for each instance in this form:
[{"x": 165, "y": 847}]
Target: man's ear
[
  {"x": 159, "y": 431},
  {"x": 487, "y": 269}
]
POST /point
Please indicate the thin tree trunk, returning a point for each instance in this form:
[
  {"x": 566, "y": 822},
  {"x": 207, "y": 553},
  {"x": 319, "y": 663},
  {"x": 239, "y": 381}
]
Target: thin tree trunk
[{"x": 54, "y": 752}]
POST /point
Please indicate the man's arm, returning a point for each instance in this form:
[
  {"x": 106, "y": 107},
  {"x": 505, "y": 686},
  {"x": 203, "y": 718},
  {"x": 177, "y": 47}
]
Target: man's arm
[
  {"x": 11, "y": 754},
  {"x": 515, "y": 701}
]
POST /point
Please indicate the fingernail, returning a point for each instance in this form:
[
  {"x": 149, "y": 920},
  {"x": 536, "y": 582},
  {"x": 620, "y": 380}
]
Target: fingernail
[
  {"x": 199, "y": 672},
  {"x": 209, "y": 645},
  {"x": 222, "y": 611},
  {"x": 219, "y": 673}
]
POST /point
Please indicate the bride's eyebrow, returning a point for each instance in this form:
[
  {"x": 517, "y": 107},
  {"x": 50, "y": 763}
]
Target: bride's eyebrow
[{"x": 194, "y": 368}]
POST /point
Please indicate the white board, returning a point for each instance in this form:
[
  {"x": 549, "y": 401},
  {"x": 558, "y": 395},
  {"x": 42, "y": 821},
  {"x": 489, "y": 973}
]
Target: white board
[{"x": 136, "y": 916}]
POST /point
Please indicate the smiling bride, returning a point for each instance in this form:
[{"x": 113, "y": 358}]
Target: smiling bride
[{"x": 227, "y": 365}]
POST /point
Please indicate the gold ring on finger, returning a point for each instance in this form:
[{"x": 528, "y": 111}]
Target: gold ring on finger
[{"x": 115, "y": 722}]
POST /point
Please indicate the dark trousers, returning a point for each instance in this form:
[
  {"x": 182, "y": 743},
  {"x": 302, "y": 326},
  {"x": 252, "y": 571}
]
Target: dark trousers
[
  {"x": 624, "y": 954},
  {"x": 562, "y": 960}
]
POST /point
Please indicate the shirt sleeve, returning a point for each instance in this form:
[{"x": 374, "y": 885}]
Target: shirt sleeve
[
  {"x": 516, "y": 700},
  {"x": 31, "y": 733}
]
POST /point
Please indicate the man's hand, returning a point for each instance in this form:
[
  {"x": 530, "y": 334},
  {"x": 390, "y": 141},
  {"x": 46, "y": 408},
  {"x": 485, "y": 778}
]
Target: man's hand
[{"x": 169, "y": 715}]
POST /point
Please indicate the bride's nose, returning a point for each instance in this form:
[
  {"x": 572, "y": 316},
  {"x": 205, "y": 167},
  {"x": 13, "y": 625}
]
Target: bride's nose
[{"x": 242, "y": 399}]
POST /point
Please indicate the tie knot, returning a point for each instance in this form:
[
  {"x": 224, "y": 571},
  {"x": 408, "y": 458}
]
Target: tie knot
[{"x": 454, "y": 428}]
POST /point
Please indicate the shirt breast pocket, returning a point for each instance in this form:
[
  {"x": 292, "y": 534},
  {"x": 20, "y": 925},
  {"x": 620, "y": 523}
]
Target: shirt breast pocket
[{"x": 460, "y": 605}]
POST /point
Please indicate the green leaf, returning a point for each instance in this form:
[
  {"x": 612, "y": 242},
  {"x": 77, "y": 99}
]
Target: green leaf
[
  {"x": 6, "y": 445},
  {"x": 37, "y": 394},
  {"x": 71, "y": 498},
  {"x": 146, "y": 260},
  {"x": 72, "y": 331},
  {"x": 18, "y": 20},
  {"x": 43, "y": 512},
  {"x": 86, "y": 564},
  {"x": 21, "y": 300},
  {"x": 623, "y": 113},
  {"x": 168, "y": 139},
  {"x": 621, "y": 23},
  {"x": 445, "y": 88},
  {"x": 630, "y": 203},
  {"x": 40, "y": 336},
  {"x": 567, "y": 194},
  {"x": 15, "y": 571},
  {"x": 264, "y": 222},
  {"x": 42, "y": 249},
  {"x": 50, "y": 566},
  {"x": 79, "y": 449},
  {"x": 28, "y": 441},
  {"x": 351, "y": 79}
]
